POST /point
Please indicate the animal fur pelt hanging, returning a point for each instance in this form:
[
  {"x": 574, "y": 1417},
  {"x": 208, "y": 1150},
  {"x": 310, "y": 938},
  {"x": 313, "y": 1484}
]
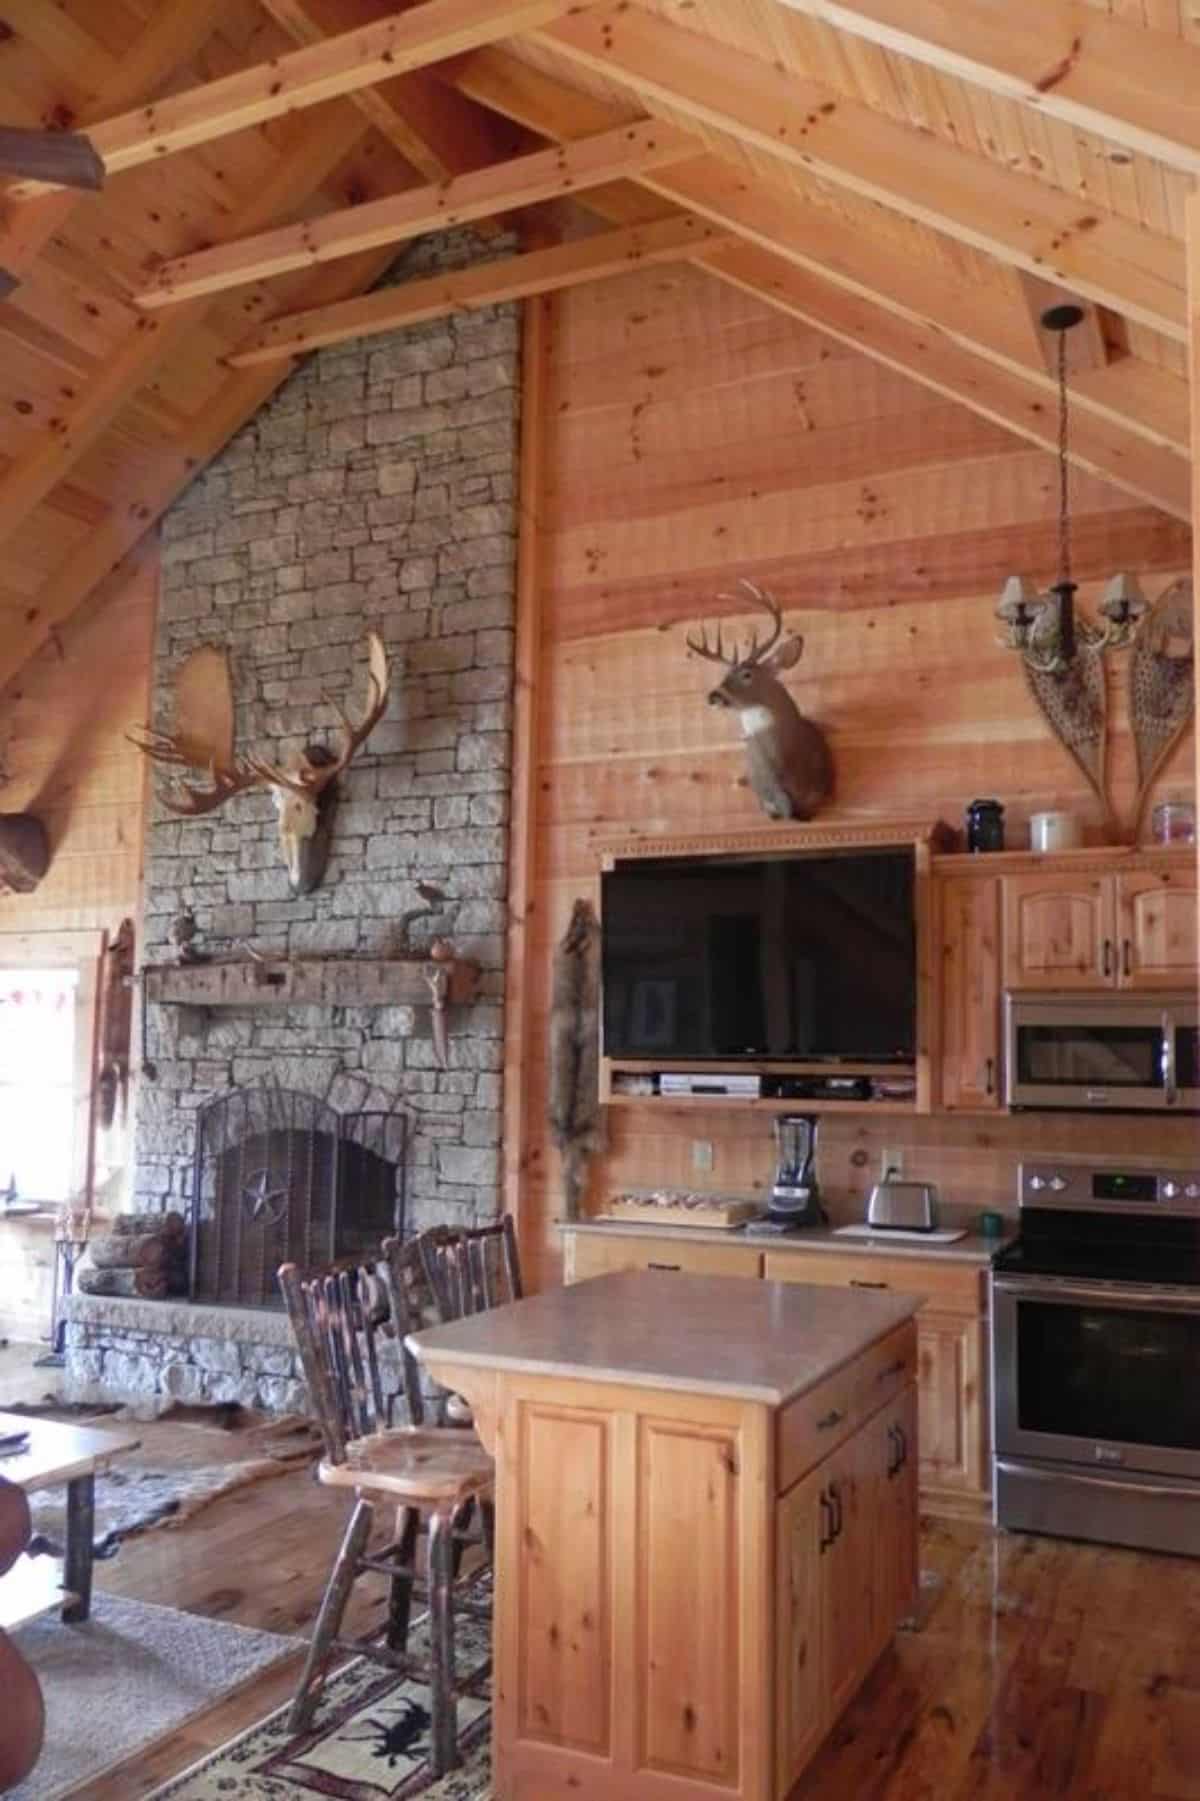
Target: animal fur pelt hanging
[{"x": 575, "y": 1116}]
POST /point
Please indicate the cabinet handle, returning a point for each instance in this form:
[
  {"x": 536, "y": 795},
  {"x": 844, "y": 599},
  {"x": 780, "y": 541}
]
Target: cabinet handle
[
  {"x": 833, "y": 1418},
  {"x": 835, "y": 1496},
  {"x": 902, "y": 1437},
  {"x": 989, "y": 1076},
  {"x": 827, "y": 1537},
  {"x": 1106, "y": 960},
  {"x": 677, "y": 1267},
  {"x": 856, "y": 1283},
  {"x": 893, "y": 1463},
  {"x": 893, "y": 1369},
  {"x": 1126, "y": 957}
]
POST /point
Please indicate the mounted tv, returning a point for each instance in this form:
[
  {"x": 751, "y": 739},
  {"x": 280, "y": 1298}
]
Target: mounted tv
[{"x": 804, "y": 956}]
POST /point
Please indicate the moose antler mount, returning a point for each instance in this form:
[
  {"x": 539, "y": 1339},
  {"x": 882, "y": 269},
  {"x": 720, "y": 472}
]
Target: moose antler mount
[
  {"x": 304, "y": 790},
  {"x": 787, "y": 756}
]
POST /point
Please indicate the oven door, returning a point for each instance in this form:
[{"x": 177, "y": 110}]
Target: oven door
[
  {"x": 1099, "y": 1375},
  {"x": 1102, "y": 1051}
]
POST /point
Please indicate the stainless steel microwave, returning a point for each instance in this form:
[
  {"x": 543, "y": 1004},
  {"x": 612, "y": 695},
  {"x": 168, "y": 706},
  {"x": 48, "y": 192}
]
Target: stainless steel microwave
[{"x": 1103, "y": 1052}]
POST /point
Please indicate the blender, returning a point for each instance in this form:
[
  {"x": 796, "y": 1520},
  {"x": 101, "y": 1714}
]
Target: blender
[{"x": 794, "y": 1200}]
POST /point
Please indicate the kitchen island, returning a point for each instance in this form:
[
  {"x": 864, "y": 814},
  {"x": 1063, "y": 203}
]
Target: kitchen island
[{"x": 706, "y": 1525}]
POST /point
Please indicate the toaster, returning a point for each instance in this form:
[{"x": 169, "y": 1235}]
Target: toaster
[{"x": 902, "y": 1206}]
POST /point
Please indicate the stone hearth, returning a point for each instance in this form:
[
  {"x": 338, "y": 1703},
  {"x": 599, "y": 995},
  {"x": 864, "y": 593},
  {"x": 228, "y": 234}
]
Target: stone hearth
[{"x": 156, "y": 1352}]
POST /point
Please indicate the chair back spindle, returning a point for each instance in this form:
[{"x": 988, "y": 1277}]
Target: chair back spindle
[{"x": 338, "y": 1317}]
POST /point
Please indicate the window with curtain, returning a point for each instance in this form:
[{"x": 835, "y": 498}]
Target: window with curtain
[{"x": 38, "y": 1024}]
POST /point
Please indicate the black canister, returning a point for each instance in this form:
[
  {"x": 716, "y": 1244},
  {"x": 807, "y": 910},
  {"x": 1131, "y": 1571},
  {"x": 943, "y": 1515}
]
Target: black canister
[{"x": 985, "y": 825}]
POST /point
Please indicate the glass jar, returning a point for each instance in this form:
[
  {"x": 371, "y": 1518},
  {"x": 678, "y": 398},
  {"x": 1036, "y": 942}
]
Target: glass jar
[
  {"x": 985, "y": 825},
  {"x": 1174, "y": 822}
]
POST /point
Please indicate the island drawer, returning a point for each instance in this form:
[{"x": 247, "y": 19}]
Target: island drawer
[
  {"x": 592, "y": 1254},
  {"x": 947, "y": 1287},
  {"x": 817, "y": 1422}
]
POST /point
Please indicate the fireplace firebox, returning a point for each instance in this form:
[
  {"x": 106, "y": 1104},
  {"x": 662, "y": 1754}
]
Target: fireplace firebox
[{"x": 282, "y": 1177}]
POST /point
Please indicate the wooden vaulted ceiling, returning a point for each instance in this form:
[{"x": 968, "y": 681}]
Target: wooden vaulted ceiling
[{"x": 916, "y": 178}]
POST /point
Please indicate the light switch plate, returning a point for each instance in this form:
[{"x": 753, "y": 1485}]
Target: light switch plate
[{"x": 702, "y": 1154}]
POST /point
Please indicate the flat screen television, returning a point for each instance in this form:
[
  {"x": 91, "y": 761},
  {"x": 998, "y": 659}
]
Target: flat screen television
[{"x": 805, "y": 956}]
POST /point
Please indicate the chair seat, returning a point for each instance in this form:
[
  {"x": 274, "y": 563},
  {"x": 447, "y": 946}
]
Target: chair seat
[{"x": 430, "y": 1464}]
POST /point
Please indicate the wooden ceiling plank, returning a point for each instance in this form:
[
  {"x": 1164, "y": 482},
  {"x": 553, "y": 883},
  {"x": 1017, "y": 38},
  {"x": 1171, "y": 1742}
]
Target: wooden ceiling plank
[
  {"x": 1159, "y": 476},
  {"x": 511, "y": 278},
  {"x": 1011, "y": 216},
  {"x": 1144, "y": 400},
  {"x": 439, "y": 131},
  {"x": 320, "y": 147},
  {"x": 169, "y": 41},
  {"x": 96, "y": 571},
  {"x": 523, "y": 181},
  {"x": 335, "y": 67},
  {"x": 1134, "y": 86}
]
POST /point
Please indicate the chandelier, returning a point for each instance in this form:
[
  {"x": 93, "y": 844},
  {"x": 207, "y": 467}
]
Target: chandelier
[{"x": 1044, "y": 627}]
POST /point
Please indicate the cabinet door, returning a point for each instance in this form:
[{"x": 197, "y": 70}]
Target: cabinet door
[
  {"x": 1158, "y": 928},
  {"x": 951, "y": 1399},
  {"x": 803, "y": 1536},
  {"x": 896, "y": 1526},
  {"x": 970, "y": 934},
  {"x": 1059, "y": 931},
  {"x": 848, "y": 1598}
]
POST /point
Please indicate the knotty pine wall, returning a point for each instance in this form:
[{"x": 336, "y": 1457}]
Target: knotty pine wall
[
  {"x": 65, "y": 758},
  {"x": 689, "y": 436}
]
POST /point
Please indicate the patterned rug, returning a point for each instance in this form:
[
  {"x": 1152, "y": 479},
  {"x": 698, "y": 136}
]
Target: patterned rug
[{"x": 369, "y": 1742}]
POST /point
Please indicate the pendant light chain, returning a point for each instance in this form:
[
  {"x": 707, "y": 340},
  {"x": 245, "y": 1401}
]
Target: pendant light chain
[{"x": 1064, "y": 537}]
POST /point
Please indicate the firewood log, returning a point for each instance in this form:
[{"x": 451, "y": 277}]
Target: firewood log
[
  {"x": 149, "y": 1284},
  {"x": 147, "y": 1251},
  {"x": 134, "y": 1225}
]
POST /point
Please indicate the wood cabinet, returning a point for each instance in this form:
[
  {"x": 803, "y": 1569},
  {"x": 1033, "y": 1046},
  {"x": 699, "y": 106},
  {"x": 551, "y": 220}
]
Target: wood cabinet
[
  {"x": 1133, "y": 928},
  {"x": 1157, "y": 920},
  {"x": 589, "y": 1254},
  {"x": 969, "y": 921}
]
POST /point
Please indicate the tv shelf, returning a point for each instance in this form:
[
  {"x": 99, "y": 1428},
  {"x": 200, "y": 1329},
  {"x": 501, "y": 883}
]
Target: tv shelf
[{"x": 612, "y": 1070}]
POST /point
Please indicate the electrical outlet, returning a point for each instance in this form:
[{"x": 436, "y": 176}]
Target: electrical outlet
[
  {"x": 891, "y": 1161},
  {"x": 702, "y": 1154}
]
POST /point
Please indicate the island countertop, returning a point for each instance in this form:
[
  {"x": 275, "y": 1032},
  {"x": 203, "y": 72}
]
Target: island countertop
[{"x": 751, "y": 1341}]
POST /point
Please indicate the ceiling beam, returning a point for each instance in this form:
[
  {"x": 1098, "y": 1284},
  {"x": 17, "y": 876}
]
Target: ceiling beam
[
  {"x": 301, "y": 78},
  {"x": 567, "y": 265},
  {"x": 1142, "y": 399},
  {"x": 521, "y": 182},
  {"x": 1132, "y": 85},
  {"x": 819, "y": 131},
  {"x": 95, "y": 570},
  {"x": 320, "y": 145},
  {"x": 170, "y": 40},
  {"x": 1161, "y": 477},
  {"x": 435, "y": 128}
]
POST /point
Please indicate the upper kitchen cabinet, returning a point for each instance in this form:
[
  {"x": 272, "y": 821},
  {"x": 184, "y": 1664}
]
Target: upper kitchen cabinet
[
  {"x": 1059, "y": 930},
  {"x": 1133, "y": 927}
]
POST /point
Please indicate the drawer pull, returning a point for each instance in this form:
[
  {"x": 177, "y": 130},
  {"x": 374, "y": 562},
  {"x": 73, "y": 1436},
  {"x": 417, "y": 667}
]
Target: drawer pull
[
  {"x": 856, "y": 1283},
  {"x": 676, "y": 1267},
  {"x": 893, "y": 1369},
  {"x": 834, "y": 1417}
]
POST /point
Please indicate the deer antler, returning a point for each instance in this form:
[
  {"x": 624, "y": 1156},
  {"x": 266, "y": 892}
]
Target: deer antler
[
  {"x": 761, "y": 598},
  {"x": 317, "y": 776},
  {"x": 183, "y": 797},
  {"x": 714, "y": 653}
]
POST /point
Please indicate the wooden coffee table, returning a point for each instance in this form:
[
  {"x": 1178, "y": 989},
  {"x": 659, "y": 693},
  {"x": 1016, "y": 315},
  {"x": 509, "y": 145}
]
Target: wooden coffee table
[{"x": 52, "y": 1454}]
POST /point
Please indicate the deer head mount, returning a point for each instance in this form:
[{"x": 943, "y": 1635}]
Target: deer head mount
[
  {"x": 303, "y": 792},
  {"x": 787, "y": 757}
]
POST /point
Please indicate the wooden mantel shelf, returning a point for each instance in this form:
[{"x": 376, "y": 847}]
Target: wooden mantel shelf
[{"x": 315, "y": 981}]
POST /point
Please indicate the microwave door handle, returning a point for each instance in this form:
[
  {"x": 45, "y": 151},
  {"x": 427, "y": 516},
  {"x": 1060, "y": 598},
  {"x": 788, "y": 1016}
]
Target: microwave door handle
[{"x": 1170, "y": 1091}]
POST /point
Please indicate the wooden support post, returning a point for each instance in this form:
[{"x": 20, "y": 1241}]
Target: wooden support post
[{"x": 1193, "y": 266}]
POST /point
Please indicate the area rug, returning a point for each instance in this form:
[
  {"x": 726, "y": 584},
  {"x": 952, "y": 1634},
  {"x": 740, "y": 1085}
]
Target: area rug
[
  {"x": 125, "y": 1678},
  {"x": 369, "y": 1742},
  {"x": 133, "y": 1500}
]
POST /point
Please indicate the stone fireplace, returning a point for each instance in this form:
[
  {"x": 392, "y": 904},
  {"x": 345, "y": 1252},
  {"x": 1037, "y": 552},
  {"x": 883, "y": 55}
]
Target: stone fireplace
[{"x": 375, "y": 490}]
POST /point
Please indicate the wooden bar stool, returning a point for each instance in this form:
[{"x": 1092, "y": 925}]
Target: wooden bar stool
[
  {"x": 432, "y": 1475},
  {"x": 470, "y": 1269}
]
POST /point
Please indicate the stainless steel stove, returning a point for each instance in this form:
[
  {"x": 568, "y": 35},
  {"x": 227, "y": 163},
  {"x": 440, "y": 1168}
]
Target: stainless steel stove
[{"x": 1096, "y": 1356}]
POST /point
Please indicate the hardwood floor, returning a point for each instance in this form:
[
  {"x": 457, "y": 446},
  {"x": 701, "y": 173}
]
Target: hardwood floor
[{"x": 1040, "y": 1668}]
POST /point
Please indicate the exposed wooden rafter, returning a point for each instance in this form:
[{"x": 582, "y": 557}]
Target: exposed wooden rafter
[
  {"x": 1129, "y": 83},
  {"x": 439, "y": 131},
  {"x": 868, "y": 315},
  {"x": 521, "y": 182},
  {"x": 819, "y": 131},
  {"x": 510, "y": 278},
  {"x": 302, "y": 78}
]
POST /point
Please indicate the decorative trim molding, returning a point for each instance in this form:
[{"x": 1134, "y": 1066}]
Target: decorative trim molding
[{"x": 768, "y": 839}]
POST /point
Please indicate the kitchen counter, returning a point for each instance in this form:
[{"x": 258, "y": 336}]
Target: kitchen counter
[
  {"x": 974, "y": 1248},
  {"x": 706, "y": 1508},
  {"x": 752, "y": 1341}
]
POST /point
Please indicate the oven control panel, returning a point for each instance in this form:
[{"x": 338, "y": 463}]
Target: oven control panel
[{"x": 1100, "y": 1188}]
